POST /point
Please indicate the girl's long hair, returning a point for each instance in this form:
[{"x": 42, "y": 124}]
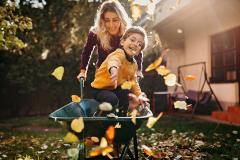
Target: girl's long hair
[{"x": 99, "y": 27}]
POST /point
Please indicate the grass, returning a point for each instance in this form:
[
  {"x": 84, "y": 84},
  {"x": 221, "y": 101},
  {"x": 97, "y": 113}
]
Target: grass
[{"x": 40, "y": 138}]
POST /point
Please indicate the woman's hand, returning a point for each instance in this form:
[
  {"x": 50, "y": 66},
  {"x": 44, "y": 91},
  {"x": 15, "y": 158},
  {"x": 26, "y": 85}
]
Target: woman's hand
[
  {"x": 114, "y": 75},
  {"x": 82, "y": 74}
]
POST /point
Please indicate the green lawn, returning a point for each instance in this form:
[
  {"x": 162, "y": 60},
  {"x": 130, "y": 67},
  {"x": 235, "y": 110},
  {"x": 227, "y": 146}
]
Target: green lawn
[{"x": 172, "y": 137}]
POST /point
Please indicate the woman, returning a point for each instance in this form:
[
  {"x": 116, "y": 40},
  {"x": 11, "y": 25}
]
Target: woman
[{"x": 110, "y": 23}]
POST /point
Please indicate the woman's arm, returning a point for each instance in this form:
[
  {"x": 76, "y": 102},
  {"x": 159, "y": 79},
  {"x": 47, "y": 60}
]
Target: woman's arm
[
  {"x": 139, "y": 59},
  {"x": 87, "y": 50}
]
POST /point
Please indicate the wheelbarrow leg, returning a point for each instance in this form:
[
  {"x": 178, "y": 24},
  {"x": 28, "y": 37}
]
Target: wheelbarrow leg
[
  {"x": 130, "y": 154},
  {"x": 135, "y": 145},
  {"x": 124, "y": 151}
]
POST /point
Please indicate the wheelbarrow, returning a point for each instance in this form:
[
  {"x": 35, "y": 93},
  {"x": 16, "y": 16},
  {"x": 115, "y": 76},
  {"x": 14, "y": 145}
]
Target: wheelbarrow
[{"x": 97, "y": 126}]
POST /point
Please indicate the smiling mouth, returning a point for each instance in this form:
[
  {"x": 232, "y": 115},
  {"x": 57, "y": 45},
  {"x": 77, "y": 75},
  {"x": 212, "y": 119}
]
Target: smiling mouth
[{"x": 133, "y": 50}]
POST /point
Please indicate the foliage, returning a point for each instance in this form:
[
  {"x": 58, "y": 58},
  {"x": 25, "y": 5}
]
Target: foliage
[
  {"x": 60, "y": 28},
  {"x": 11, "y": 25}
]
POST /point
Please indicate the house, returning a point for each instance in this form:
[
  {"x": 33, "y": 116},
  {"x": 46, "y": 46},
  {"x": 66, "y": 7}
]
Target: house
[{"x": 204, "y": 31}]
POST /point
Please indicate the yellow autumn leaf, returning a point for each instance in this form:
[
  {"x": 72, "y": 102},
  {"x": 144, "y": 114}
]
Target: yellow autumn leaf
[
  {"x": 95, "y": 139},
  {"x": 58, "y": 72},
  {"x": 107, "y": 150},
  {"x": 154, "y": 65},
  {"x": 95, "y": 152},
  {"x": 75, "y": 98},
  {"x": 147, "y": 150},
  {"x": 110, "y": 133},
  {"x": 70, "y": 138},
  {"x": 170, "y": 79},
  {"x": 162, "y": 70},
  {"x": 101, "y": 150},
  {"x": 180, "y": 105},
  {"x": 103, "y": 142},
  {"x": 127, "y": 85},
  {"x": 105, "y": 106},
  {"x": 152, "y": 120},
  {"x": 118, "y": 125},
  {"x": 136, "y": 12},
  {"x": 77, "y": 125},
  {"x": 134, "y": 115}
]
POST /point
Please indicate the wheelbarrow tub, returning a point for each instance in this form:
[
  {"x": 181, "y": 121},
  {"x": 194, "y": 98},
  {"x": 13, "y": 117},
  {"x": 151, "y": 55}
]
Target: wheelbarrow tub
[{"x": 97, "y": 126}]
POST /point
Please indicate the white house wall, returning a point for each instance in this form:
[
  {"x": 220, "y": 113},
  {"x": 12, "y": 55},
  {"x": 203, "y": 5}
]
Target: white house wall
[
  {"x": 200, "y": 20},
  {"x": 215, "y": 19}
]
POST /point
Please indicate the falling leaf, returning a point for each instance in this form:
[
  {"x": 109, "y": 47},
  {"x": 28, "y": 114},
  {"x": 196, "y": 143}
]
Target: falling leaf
[
  {"x": 100, "y": 150},
  {"x": 136, "y": 12},
  {"x": 151, "y": 8},
  {"x": 112, "y": 115},
  {"x": 105, "y": 106},
  {"x": 118, "y": 125},
  {"x": 107, "y": 150},
  {"x": 162, "y": 70},
  {"x": 133, "y": 116},
  {"x": 103, "y": 142},
  {"x": 44, "y": 54},
  {"x": 58, "y": 72},
  {"x": 147, "y": 150},
  {"x": 73, "y": 152},
  {"x": 70, "y": 138},
  {"x": 158, "y": 41},
  {"x": 154, "y": 65},
  {"x": 152, "y": 120},
  {"x": 110, "y": 133},
  {"x": 127, "y": 85},
  {"x": 95, "y": 152},
  {"x": 190, "y": 77},
  {"x": 95, "y": 139},
  {"x": 75, "y": 98},
  {"x": 174, "y": 131},
  {"x": 77, "y": 125},
  {"x": 170, "y": 79},
  {"x": 180, "y": 105}
]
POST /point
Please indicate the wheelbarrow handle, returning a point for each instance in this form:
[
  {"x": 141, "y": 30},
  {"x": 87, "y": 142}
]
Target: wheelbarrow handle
[{"x": 81, "y": 80}]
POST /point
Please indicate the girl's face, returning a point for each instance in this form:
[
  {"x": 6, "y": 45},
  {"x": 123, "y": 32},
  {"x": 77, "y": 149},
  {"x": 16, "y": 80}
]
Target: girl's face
[
  {"x": 112, "y": 23},
  {"x": 133, "y": 44}
]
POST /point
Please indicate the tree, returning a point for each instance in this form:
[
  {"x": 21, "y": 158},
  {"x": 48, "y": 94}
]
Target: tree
[{"x": 11, "y": 25}]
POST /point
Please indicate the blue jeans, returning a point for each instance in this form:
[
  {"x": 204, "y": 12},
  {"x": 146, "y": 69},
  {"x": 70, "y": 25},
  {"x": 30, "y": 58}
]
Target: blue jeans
[{"x": 118, "y": 98}]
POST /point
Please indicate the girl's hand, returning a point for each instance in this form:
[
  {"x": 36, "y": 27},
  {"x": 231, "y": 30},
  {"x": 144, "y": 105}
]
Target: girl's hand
[
  {"x": 143, "y": 99},
  {"x": 135, "y": 101},
  {"x": 114, "y": 76}
]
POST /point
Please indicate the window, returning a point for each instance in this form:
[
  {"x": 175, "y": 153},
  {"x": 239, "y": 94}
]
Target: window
[{"x": 225, "y": 56}]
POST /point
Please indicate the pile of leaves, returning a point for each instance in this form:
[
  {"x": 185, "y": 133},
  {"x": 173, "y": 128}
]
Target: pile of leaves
[{"x": 171, "y": 138}]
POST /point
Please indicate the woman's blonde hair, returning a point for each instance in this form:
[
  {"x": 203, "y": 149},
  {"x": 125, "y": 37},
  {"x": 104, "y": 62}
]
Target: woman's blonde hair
[{"x": 99, "y": 26}]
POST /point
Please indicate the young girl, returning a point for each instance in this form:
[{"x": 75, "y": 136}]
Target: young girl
[
  {"x": 110, "y": 23},
  {"x": 119, "y": 67}
]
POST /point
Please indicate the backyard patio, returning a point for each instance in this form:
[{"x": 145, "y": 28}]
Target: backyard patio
[{"x": 186, "y": 81}]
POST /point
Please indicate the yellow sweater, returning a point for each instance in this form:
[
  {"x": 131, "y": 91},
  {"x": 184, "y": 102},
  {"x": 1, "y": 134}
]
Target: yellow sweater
[{"x": 126, "y": 72}]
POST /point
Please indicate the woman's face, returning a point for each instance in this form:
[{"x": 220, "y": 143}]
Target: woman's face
[{"x": 112, "y": 23}]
